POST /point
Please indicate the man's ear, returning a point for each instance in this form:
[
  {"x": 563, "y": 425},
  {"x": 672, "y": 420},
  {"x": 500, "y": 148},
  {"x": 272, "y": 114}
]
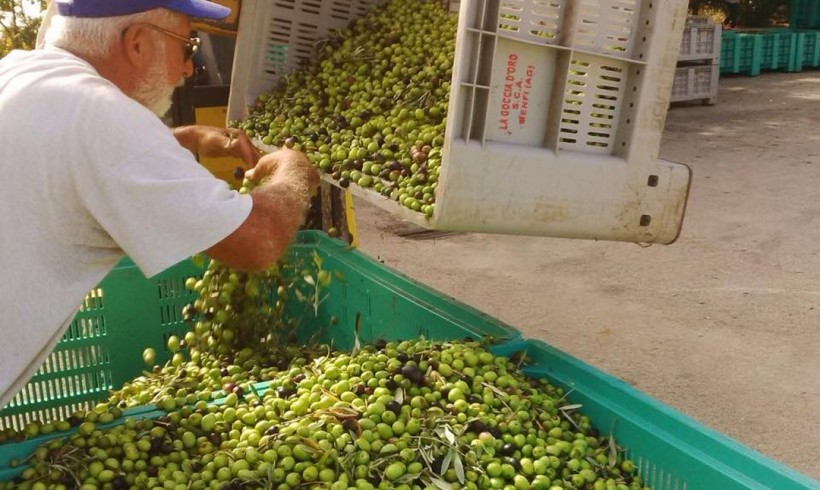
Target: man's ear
[{"x": 137, "y": 46}]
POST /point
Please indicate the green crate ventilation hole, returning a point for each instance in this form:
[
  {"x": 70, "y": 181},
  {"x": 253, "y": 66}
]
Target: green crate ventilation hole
[
  {"x": 173, "y": 295},
  {"x": 78, "y": 372},
  {"x": 655, "y": 477},
  {"x": 74, "y": 375}
]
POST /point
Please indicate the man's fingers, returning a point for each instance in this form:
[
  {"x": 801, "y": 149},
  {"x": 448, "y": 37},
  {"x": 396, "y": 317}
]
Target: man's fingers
[{"x": 238, "y": 144}]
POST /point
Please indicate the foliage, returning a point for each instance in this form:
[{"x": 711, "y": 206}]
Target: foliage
[
  {"x": 18, "y": 25},
  {"x": 753, "y": 13}
]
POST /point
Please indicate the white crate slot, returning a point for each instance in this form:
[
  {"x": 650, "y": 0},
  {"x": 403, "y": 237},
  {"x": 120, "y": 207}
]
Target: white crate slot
[
  {"x": 607, "y": 26},
  {"x": 592, "y": 101},
  {"x": 531, "y": 20},
  {"x": 555, "y": 114}
]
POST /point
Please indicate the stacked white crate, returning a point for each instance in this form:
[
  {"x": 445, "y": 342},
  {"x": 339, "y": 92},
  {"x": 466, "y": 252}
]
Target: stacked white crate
[{"x": 696, "y": 76}]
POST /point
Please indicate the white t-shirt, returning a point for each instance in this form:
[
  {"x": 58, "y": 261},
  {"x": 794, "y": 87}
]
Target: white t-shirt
[{"x": 87, "y": 175}]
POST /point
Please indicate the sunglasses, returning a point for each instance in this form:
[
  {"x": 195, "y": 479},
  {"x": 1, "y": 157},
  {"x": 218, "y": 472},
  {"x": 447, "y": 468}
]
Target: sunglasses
[{"x": 191, "y": 44}]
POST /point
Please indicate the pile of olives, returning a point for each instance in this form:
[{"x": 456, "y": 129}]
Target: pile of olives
[
  {"x": 407, "y": 415},
  {"x": 370, "y": 108},
  {"x": 238, "y": 334}
]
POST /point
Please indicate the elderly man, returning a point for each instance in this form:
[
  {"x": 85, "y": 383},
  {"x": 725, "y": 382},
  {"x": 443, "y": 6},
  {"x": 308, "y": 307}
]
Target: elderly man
[{"x": 91, "y": 173}]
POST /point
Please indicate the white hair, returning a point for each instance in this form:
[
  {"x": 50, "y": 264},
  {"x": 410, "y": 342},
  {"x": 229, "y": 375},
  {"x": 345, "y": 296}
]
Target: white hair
[{"x": 95, "y": 37}]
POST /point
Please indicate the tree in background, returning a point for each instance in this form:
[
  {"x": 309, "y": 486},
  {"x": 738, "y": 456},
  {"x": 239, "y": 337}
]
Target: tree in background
[
  {"x": 18, "y": 24},
  {"x": 752, "y": 13}
]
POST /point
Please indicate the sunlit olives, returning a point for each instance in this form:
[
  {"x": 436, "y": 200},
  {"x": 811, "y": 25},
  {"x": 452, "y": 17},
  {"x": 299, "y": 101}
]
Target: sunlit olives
[
  {"x": 334, "y": 419},
  {"x": 376, "y": 92}
]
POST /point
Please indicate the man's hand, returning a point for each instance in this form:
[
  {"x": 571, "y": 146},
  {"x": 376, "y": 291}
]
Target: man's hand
[
  {"x": 287, "y": 164},
  {"x": 286, "y": 181},
  {"x": 210, "y": 141}
]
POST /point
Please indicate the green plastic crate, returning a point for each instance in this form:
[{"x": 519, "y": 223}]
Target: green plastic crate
[
  {"x": 778, "y": 50},
  {"x": 740, "y": 53},
  {"x": 99, "y": 350},
  {"x": 808, "y": 50},
  {"x": 804, "y": 14},
  {"x": 673, "y": 451}
]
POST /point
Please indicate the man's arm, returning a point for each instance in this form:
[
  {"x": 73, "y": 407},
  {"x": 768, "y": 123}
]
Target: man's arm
[
  {"x": 210, "y": 141},
  {"x": 280, "y": 202}
]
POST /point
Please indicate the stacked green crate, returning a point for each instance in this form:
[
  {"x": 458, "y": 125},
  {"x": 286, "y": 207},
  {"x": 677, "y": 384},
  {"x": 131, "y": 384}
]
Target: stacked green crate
[
  {"x": 778, "y": 50},
  {"x": 808, "y": 50},
  {"x": 804, "y": 14},
  {"x": 740, "y": 53}
]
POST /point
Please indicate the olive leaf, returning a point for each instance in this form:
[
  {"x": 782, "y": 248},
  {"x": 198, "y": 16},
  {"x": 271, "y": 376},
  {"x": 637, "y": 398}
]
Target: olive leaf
[
  {"x": 445, "y": 463},
  {"x": 459, "y": 466},
  {"x": 494, "y": 389},
  {"x": 357, "y": 345},
  {"x": 574, "y": 406},
  {"x": 269, "y": 476},
  {"x": 448, "y": 434},
  {"x": 309, "y": 279},
  {"x": 566, "y": 394},
  {"x": 317, "y": 259},
  {"x": 342, "y": 413},
  {"x": 427, "y": 457},
  {"x": 571, "y": 421},
  {"x": 441, "y": 484},
  {"x": 399, "y": 395},
  {"x": 613, "y": 451}
]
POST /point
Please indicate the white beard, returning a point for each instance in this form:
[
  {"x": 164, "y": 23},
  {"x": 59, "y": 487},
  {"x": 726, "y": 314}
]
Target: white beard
[{"x": 154, "y": 92}]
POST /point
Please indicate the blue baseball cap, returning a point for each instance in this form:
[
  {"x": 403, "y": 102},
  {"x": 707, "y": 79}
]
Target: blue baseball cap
[{"x": 112, "y": 8}]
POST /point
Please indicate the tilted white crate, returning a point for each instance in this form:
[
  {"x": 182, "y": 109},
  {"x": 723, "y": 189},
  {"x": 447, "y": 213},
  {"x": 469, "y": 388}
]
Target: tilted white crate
[{"x": 555, "y": 114}]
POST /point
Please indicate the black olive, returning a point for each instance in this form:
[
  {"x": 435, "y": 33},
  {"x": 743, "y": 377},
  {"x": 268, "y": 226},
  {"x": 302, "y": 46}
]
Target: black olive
[
  {"x": 477, "y": 426},
  {"x": 351, "y": 425},
  {"x": 283, "y": 392},
  {"x": 514, "y": 463},
  {"x": 119, "y": 483}
]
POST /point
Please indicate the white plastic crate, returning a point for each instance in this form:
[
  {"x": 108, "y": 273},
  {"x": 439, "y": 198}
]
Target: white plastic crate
[
  {"x": 555, "y": 115},
  {"x": 696, "y": 82},
  {"x": 700, "y": 42}
]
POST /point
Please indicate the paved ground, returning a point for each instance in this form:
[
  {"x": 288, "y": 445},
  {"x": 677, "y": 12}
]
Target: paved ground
[{"x": 723, "y": 325}]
